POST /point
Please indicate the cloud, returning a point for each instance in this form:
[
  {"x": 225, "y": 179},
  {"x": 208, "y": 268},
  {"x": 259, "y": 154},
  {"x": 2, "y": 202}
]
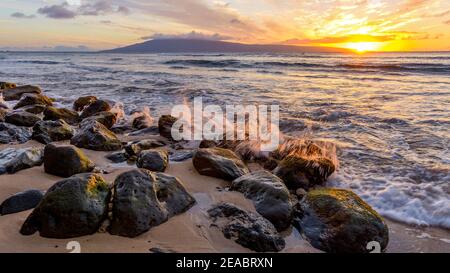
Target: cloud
[
  {"x": 189, "y": 35},
  {"x": 21, "y": 15},
  {"x": 57, "y": 11}
]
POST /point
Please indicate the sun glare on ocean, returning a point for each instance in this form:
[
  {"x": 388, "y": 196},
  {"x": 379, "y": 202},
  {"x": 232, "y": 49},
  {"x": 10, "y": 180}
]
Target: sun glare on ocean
[{"x": 362, "y": 47}]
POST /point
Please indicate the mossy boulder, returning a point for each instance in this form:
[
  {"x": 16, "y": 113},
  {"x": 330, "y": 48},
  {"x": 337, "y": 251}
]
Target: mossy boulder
[
  {"x": 155, "y": 160},
  {"x": 22, "y": 118},
  {"x": 136, "y": 147},
  {"x": 337, "y": 220},
  {"x": 50, "y": 131},
  {"x": 95, "y": 136},
  {"x": 73, "y": 207},
  {"x": 299, "y": 172},
  {"x": 66, "y": 160},
  {"x": 94, "y": 108},
  {"x": 143, "y": 199},
  {"x": 165, "y": 123},
  {"x": 10, "y": 133},
  {"x": 82, "y": 102},
  {"x": 219, "y": 163},
  {"x": 69, "y": 116},
  {"x": 34, "y": 109},
  {"x": 17, "y": 92},
  {"x": 108, "y": 119},
  {"x": 269, "y": 195},
  {"x": 31, "y": 99}
]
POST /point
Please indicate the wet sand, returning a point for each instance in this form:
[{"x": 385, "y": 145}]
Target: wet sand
[{"x": 188, "y": 232}]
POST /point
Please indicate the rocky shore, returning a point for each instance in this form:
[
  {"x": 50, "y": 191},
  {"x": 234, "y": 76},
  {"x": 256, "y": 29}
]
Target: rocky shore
[{"x": 87, "y": 173}]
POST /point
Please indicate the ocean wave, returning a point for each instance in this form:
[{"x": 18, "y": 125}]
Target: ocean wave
[
  {"x": 205, "y": 63},
  {"x": 39, "y": 62}
]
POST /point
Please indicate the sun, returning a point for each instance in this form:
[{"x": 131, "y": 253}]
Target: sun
[{"x": 361, "y": 47}]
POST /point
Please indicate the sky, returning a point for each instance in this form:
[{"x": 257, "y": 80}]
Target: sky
[{"x": 361, "y": 25}]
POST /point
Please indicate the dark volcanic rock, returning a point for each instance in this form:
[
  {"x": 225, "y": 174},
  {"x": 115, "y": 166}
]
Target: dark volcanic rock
[
  {"x": 141, "y": 122},
  {"x": 50, "y": 131},
  {"x": 298, "y": 172},
  {"x": 94, "y": 108},
  {"x": 31, "y": 99},
  {"x": 180, "y": 156},
  {"x": 22, "y": 118},
  {"x": 246, "y": 228},
  {"x": 3, "y": 113},
  {"x": 69, "y": 116},
  {"x": 108, "y": 119},
  {"x": 14, "y": 160},
  {"x": 269, "y": 194},
  {"x": 152, "y": 130},
  {"x": 336, "y": 220},
  {"x": 66, "y": 160},
  {"x": 73, "y": 207},
  {"x": 7, "y": 85},
  {"x": 82, "y": 102},
  {"x": 165, "y": 123},
  {"x": 118, "y": 157},
  {"x": 17, "y": 92},
  {"x": 136, "y": 147},
  {"x": 21, "y": 201},
  {"x": 143, "y": 199},
  {"x": 34, "y": 109},
  {"x": 220, "y": 163},
  {"x": 11, "y": 134},
  {"x": 153, "y": 160},
  {"x": 95, "y": 136}
]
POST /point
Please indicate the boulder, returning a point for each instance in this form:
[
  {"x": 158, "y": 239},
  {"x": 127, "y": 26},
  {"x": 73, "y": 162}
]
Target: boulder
[
  {"x": 14, "y": 160},
  {"x": 73, "y": 207},
  {"x": 180, "y": 156},
  {"x": 153, "y": 160},
  {"x": 17, "y": 92},
  {"x": 21, "y": 201},
  {"x": 66, "y": 160},
  {"x": 34, "y": 109},
  {"x": 141, "y": 122},
  {"x": 3, "y": 113},
  {"x": 95, "y": 136},
  {"x": 82, "y": 102},
  {"x": 219, "y": 163},
  {"x": 108, "y": 119},
  {"x": 246, "y": 228},
  {"x": 136, "y": 147},
  {"x": 22, "y": 118},
  {"x": 69, "y": 116},
  {"x": 95, "y": 108},
  {"x": 7, "y": 85},
  {"x": 50, "y": 131},
  {"x": 13, "y": 134},
  {"x": 118, "y": 157},
  {"x": 269, "y": 195},
  {"x": 165, "y": 123},
  {"x": 31, "y": 99},
  {"x": 143, "y": 199},
  {"x": 337, "y": 220},
  {"x": 298, "y": 172}
]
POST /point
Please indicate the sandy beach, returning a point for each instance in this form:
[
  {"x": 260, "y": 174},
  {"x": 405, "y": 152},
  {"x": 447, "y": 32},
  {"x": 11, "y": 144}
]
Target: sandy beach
[{"x": 187, "y": 232}]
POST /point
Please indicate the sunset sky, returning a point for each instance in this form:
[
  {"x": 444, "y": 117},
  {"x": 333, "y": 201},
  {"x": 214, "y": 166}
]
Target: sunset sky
[{"x": 386, "y": 25}]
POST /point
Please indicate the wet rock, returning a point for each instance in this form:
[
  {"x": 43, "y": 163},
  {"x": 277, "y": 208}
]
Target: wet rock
[
  {"x": 17, "y": 92},
  {"x": 31, "y": 99},
  {"x": 118, "y": 157},
  {"x": 336, "y": 220},
  {"x": 34, "y": 109},
  {"x": 13, "y": 134},
  {"x": 95, "y": 108},
  {"x": 22, "y": 118},
  {"x": 69, "y": 116},
  {"x": 220, "y": 163},
  {"x": 50, "y": 131},
  {"x": 66, "y": 160},
  {"x": 298, "y": 172},
  {"x": 153, "y": 160},
  {"x": 108, "y": 119},
  {"x": 269, "y": 195},
  {"x": 95, "y": 136},
  {"x": 180, "y": 156},
  {"x": 3, "y": 105},
  {"x": 143, "y": 199},
  {"x": 3, "y": 113},
  {"x": 246, "y": 228},
  {"x": 136, "y": 147},
  {"x": 141, "y": 122},
  {"x": 14, "y": 160},
  {"x": 207, "y": 144},
  {"x": 165, "y": 123},
  {"x": 73, "y": 207},
  {"x": 82, "y": 102},
  {"x": 152, "y": 130},
  {"x": 21, "y": 201},
  {"x": 7, "y": 85}
]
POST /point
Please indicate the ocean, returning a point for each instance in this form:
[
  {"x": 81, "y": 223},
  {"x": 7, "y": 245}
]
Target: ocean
[{"x": 387, "y": 113}]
